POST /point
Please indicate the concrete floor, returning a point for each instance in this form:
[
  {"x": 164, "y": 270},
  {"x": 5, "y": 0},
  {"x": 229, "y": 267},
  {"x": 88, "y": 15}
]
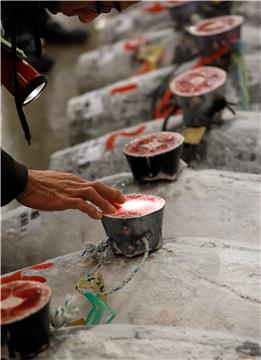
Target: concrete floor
[{"x": 47, "y": 115}]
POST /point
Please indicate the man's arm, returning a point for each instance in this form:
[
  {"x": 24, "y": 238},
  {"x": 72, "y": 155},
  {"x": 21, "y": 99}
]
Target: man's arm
[
  {"x": 55, "y": 190},
  {"x": 14, "y": 178}
]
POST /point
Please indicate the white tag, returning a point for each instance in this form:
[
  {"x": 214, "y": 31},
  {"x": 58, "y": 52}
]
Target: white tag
[
  {"x": 89, "y": 152},
  {"x": 29, "y": 220},
  {"x": 93, "y": 104},
  {"x": 125, "y": 23}
]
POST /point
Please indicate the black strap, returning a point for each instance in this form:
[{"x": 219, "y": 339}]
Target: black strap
[{"x": 18, "y": 102}]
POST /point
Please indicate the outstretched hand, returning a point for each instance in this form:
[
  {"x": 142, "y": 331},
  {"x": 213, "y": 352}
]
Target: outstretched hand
[{"x": 54, "y": 190}]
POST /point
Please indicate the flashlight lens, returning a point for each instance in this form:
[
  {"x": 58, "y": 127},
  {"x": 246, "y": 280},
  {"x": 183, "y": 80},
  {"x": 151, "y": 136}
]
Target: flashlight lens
[{"x": 34, "y": 94}]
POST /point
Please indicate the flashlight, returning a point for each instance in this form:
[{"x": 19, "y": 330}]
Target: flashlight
[{"x": 30, "y": 82}]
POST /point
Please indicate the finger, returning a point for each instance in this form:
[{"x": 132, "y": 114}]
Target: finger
[
  {"x": 86, "y": 208},
  {"x": 109, "y": 193},
  {"x": 92, "y": 195}
]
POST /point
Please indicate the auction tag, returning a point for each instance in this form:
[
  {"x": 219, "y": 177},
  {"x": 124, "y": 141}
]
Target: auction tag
[
  {"x": 93, "y": 104},
  {"x": 125, "y": 23},
  {"x": 89, "y": 152},
  {"x": 29, "y": 220},
  {"x": 92, "y": 282},
  {"x": 193, "y": 136}
]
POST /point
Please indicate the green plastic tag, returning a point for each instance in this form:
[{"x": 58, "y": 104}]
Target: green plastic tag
[{"x": 98, "y": 310}]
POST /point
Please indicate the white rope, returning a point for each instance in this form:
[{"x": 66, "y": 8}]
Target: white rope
[
  {"x": 103, "y": 253},
  {"x": 133, "y": 273},
  {"x": 64, "y": 314}
]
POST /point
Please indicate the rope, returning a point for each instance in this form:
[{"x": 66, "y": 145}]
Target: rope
[
  {"x": 102, "y": 253},
  {"x": 132, "y": 274},
  {"x": 64, "y": 313}
]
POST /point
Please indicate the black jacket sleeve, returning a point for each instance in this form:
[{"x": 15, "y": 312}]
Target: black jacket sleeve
[
  {"x": 14, "y": 178},
  {"x": 26, "y": 15}
]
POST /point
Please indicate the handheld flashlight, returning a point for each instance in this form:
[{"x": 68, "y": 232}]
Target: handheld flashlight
[{"x": 30, "y": 82}]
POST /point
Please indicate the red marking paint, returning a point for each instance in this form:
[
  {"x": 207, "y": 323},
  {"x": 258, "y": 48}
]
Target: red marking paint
[
  {"x": 112, "y": 138},
  {"x": 138, "y": 205},
  {"x": 211, "y": 58},
  {"x": 153, "y": 144},
  {"x": 216, "y": 55},
  {"x": 155, "y": 8},
  {"x": 135, "y": 43},
  {"x": 42, "y": 266},
  {"x": 18, "y": 274},
  {"x": 22, "y": 298},
  {"x": 198, "y": 81},
  {"x": 125, "y": 88},
  {"x": 217, "y": 25},
  {"x": 164, "y": 109}
]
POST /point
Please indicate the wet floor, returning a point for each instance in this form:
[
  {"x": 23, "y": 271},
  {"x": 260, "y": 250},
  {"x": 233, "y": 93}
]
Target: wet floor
[{"x": 46, "y": 115}]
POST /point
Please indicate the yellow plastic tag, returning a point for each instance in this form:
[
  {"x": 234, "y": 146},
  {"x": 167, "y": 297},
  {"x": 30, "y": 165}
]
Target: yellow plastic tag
[
  {"x": 94, "y": 282},
  {"x": 193, "y": 136},
  {"x": 150, "y": 55}
]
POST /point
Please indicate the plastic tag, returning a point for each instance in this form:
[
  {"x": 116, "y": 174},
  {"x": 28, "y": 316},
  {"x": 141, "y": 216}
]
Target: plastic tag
[
  {"x": 151, "y": 55},
  {"x": 99, "y": 310},
  {"x": 193, "y": 136},
  {"x": 91, "y": 282}
]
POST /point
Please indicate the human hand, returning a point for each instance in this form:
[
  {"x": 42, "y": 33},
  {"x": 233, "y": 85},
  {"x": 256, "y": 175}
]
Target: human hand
[
  {"x": 88, "y": 11},
  {"x": 54, "y": 190}
]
